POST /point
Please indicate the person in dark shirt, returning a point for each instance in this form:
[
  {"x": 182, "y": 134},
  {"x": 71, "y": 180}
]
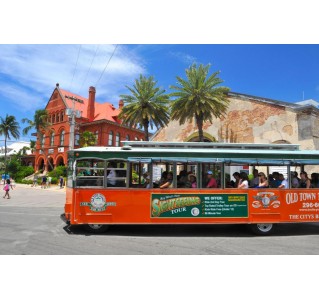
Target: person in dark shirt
[{"x": 44, "y": 182}]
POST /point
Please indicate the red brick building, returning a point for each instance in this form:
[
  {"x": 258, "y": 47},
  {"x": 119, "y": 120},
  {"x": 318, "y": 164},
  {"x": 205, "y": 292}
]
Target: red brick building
[{"x": 99, "y": 118}]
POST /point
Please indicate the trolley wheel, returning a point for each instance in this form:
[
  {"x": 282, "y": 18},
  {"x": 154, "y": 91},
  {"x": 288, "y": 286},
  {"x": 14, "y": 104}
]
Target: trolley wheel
[
  {"x": 96, "y": 228},
  {"x": 263, "y": 228}
]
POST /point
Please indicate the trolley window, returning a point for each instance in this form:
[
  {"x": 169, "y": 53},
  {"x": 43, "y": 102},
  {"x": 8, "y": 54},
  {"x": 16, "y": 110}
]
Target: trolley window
[{"x": 90, "y": 173}]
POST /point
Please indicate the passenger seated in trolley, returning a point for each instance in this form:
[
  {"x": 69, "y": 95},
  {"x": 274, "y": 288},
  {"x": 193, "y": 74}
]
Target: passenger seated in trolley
[
  {"x": 182, "y": 179},
  {"x": 211, "y": 181},
  {"x": 284, "y": 182},
  {"x": 111, "y": 181},
  {"x": 243, "y": 183},
  {"x": 169, "y": 181},
  {"x": 304, "y": 180},
  {"x": 263, "y": 182},
  {"x": 147, "y": 180},
  {"x": 191, "y": 181}
]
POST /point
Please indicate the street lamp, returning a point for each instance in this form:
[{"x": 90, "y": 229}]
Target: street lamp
[{"x": 72, "y": 113}]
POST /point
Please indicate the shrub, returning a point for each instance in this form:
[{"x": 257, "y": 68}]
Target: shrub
[
  {"x": 58, "y": 171},
  {"x": 24, "y": 181},
  {"x": 23, "y": 171}
]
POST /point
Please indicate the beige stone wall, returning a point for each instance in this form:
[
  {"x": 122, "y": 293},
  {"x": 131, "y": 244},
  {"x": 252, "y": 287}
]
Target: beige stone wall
[{"x": 252, "y": 121}]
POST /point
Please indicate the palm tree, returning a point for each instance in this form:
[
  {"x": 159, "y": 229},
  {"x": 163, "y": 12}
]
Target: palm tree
[
  {"x": 40, "y": 123},
  {"x": 32, "y": 146},
  {"x": 199, "y": 97},
  {"x": 8, "y": 126},
  {"x": 147, "y": 105},
  {"x": 87, "y": 139}
]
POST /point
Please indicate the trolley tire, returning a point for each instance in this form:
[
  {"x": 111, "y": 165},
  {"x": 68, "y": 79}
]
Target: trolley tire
[
  {"x": 96, "y": 228},
  {"x": 263, "y": 228}
]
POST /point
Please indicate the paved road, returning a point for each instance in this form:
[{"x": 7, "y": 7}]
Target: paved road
[{"x": 30, "y": 224}]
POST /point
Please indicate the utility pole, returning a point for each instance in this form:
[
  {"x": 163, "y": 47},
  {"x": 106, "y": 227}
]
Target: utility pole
[{"x": 72, "y": 113}]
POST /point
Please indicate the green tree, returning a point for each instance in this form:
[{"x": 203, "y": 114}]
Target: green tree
[
  {"x": 147, "y": 105},
  {"x": 32, "y": 146},
  {"x": 87, "y": 138},
  {"x": 199, "y": 97},
  {"x": 39, "y": 122},
  {"x": 8, "y": 127}
]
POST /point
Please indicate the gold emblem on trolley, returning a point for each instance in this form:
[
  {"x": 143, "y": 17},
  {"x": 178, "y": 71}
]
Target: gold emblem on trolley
[{"x": 266, "y": 200}]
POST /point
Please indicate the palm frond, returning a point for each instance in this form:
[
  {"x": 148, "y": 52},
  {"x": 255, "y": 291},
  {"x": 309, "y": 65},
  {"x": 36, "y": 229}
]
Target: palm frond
[{"x": 198, "y": 96}]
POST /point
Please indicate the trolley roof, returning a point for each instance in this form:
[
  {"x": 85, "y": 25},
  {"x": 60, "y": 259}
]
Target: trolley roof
[{"x": 270, "y": 154}]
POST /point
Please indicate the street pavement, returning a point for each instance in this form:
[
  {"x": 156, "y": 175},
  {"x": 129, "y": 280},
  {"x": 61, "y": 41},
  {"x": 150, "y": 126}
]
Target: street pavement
[
  {"x": 24, "y": 195},
  {"x": 30, "y": 224}
]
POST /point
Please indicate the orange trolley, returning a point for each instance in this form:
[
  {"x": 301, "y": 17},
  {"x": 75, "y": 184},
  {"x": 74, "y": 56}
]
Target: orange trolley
[{"x": 126, "y": 185}]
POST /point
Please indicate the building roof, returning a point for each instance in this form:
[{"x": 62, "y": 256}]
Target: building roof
[
  {"x": 14, "y": 148},
  {"x": 306, "y": 104},
  {"x": 103, "y": 111}
]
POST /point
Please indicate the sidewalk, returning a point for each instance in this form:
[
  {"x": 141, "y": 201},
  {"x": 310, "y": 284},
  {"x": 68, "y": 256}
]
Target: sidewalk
[{"x": 53, "y": 188}]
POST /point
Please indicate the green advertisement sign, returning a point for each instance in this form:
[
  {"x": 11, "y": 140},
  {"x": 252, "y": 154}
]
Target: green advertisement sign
[{"x": 199, "y": 206}]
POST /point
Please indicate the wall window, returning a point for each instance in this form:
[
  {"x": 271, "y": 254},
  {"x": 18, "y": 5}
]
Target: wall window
[
  {"x": 42, "y": 140},
  {"x": 127, "y": 137},
  {"x": 110, "y": 143},
  {"x": 117, "y": 140},
  {"x": 52, "y": 139},
  {"x": 62, "y": 116},
  {"x": 53, "y": 118},
  {"x": 77, "y": 139},
  {"x": 62, "y": 138},
  {"x": 57, "y": 117}
]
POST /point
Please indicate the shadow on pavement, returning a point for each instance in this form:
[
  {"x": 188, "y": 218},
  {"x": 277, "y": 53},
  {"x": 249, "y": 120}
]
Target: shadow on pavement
[{"x": 233, "y": 230}]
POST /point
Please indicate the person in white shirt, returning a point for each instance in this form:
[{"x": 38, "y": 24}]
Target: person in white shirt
[
  {"x": 243, "y": 183},
  {"x": 284, "y": 182}
]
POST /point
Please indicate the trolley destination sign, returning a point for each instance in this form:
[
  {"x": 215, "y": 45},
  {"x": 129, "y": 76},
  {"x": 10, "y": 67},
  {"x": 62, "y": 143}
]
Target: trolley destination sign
[{"x": 199, "y": 205}]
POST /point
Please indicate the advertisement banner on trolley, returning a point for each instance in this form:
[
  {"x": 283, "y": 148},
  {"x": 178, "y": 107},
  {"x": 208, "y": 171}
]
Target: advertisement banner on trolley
[{"x": 199, "y": 205}]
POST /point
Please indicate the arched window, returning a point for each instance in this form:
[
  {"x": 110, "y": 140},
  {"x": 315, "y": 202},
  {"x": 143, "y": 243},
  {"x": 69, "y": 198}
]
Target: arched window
[
  {"x": 110, "y": 138},
  {"x": 62, "y": 116},
  {"x": 127, "y": 137},
  {"x": 52, "y": 139},
  {"x": 62, "y": 138},
  {"x": 53, "y": 118},
  {"x": 57, "y": 117},
  {"x": 117, "y": 139}
]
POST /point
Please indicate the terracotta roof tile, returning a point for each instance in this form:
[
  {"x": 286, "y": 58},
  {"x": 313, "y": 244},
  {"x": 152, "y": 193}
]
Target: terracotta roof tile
[{"x": 103, "y": 111}]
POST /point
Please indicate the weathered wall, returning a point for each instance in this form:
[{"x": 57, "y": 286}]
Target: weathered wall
[{"x": 252, "y": 121}]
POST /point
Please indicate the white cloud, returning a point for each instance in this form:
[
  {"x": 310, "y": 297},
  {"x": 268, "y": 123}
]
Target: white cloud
[
  {"x": 184, "y": 57},
  {"x": 29, "y": 72}
]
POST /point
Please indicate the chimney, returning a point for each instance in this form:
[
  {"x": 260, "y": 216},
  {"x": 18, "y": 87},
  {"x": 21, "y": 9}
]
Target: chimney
[
  {"x": 121, "y": 104},
  {"x": 91, "y": 103}
]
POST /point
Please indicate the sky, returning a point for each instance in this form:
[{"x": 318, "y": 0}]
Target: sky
[
  {"x": 262, "y": 48},
  {"x": 29, "y": 72}
]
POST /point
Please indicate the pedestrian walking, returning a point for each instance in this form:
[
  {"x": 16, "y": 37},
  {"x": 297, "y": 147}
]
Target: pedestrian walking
[
  {"x": 61, "y": 182},
  {"x": 49, "y": 182},
  {"x": 6, "y": 188},
  {"x": 44, "y": 182},
  {"x": 35, "y": 180}
]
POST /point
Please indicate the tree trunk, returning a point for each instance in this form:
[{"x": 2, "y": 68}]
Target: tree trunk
[
  {"x": 145, "y": 124},
  {"x": 199, "y": 122}
]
